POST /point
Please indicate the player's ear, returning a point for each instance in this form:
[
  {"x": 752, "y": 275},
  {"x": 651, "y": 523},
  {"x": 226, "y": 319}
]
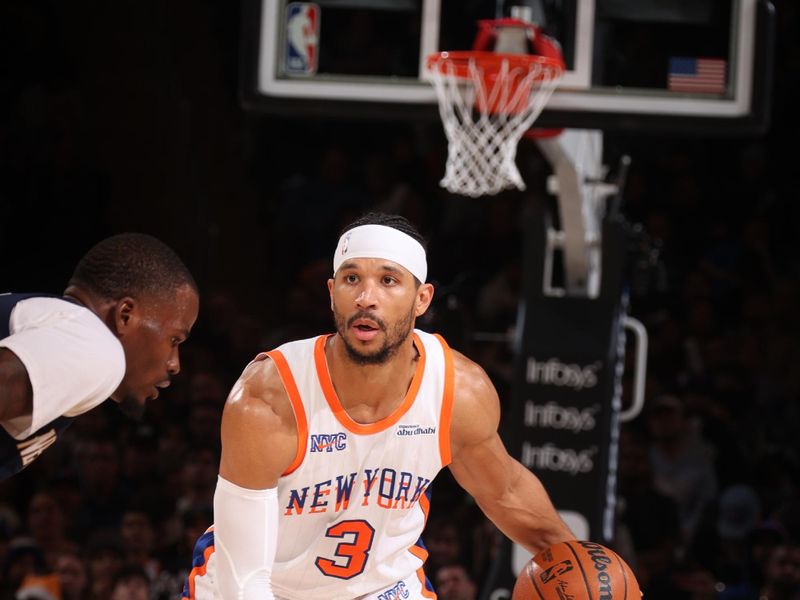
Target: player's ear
[
  {"x": 124, "y": 314},
  {"x": 330, "y": 291},
  {"x": 424, "y": 298}
]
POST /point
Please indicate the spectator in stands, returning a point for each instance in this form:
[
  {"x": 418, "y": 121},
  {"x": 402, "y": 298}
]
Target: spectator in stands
[
  {"x": 131, "y": 583},
  {"x": 782, "y": 573},
  {"x": 105, "y": 558},
  {"x": 682, "y": 469},
  {"x": 453, "y": 582},
  {"x": 73, "y": 576}
]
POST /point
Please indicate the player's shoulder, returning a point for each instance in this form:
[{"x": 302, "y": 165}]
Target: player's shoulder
[
  {"x": 37, "y": 310},
  {"x": 54, "y": 312},
  {"x": 476, "y": 406},
  {"x": 471, "y": 380},
  {"x": 56, "y": 327},
  {"x": 260, "y": 380},
  {"x": 259, "y": 393},
  {"x": 474, "y": 394}
]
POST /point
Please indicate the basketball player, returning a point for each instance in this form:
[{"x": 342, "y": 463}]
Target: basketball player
[
  {"x": 329, "y": 445},
  {"x": 114, "y": 333}
]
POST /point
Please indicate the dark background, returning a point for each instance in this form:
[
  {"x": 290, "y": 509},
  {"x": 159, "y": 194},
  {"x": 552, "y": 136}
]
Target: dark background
[{"x": 125, "y": 116}]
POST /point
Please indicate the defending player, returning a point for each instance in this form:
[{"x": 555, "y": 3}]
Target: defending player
[
  {"x": 329, "y": 445},
  {"x": 115, "y": 333}
]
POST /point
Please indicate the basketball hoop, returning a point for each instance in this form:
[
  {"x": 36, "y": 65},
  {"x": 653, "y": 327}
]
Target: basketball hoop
[{"x": 487, "y": 101}]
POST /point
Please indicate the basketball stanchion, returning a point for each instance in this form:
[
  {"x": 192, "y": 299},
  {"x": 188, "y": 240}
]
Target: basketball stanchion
[{"x": 569, "y": 345}]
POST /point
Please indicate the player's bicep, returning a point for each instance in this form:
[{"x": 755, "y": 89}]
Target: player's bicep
[
  {"x": 259, "y": 434},
  {"x": 476, "y": 406},
  {"x": 484, "y": 470},
  {"x": 480, "y": 461}
]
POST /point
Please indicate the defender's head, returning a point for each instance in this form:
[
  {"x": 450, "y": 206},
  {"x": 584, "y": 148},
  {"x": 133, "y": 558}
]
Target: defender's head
[{"x": 151, "y": 303}]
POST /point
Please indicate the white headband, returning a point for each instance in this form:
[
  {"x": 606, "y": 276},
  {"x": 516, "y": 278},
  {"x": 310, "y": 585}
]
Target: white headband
[{"x": 380, "y": 241}]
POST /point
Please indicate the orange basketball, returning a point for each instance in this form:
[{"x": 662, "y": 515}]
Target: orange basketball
[{"x": 576, "y": 571}]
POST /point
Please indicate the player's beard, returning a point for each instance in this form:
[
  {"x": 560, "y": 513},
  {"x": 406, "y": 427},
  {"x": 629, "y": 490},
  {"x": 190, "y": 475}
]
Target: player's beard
[{"x": 395, "y": 336}]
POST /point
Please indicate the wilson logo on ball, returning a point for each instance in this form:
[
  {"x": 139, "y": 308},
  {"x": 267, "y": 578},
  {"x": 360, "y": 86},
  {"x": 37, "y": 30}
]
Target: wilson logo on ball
[
  {"x": 601, "y": 561},
  {"x": 576, "y": 570}
]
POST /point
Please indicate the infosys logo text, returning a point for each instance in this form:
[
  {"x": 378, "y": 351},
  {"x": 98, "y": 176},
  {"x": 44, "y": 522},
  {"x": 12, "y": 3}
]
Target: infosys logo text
[
  {"x": 554, "y": 416},
  {"x": 563, "y": 460},
  {"x": 554, "y": 372}
]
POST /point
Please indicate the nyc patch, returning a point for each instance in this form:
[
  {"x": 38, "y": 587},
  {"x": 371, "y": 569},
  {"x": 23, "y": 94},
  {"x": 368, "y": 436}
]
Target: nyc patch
[{"x": 328, "y": 442}]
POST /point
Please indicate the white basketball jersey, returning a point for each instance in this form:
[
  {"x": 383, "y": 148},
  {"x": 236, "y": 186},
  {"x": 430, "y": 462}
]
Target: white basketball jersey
[{"x": 354, "y": 502}]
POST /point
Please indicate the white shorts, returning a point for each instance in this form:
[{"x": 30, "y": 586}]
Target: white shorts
[{"x": 200, "y": 584}]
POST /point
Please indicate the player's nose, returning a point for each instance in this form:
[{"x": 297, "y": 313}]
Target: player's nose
[
  {"x": 174, "y": 362},
  {"x": 366, "y": 297}
]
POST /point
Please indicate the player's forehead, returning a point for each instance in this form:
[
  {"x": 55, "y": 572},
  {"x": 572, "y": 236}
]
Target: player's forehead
[{"x": 176, "y": 311}]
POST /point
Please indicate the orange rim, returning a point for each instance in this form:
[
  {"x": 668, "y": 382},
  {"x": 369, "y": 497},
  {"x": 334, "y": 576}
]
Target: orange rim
[
  {"x": 490, "y": 62},
  {"x": 543, "y": 133}
]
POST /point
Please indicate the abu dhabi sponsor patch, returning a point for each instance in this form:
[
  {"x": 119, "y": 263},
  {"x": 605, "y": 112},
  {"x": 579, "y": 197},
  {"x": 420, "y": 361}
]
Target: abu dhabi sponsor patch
[{"x": 412, "y": 430}]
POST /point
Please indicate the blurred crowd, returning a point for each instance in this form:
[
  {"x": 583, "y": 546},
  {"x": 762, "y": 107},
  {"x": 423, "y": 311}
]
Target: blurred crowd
[
  {"x": 709, "y": 498},
  {"x": 709, "y": 474}
]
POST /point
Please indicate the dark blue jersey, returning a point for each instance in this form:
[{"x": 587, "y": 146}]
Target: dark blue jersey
[{"x": 15, "y": 454}]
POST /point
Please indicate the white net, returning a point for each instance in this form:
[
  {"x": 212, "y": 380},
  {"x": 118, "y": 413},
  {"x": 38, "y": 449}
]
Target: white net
[{"x": 485, "y": 108}]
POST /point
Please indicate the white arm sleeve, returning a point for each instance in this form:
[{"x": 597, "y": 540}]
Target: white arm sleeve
[{"x": 245, "y": 540}]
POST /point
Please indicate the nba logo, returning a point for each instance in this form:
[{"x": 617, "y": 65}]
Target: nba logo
[{"x": 302, "y": 38}]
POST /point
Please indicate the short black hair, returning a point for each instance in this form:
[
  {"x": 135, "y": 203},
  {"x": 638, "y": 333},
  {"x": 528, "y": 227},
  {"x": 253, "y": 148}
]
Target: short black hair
[
  {"x": 131, "y": 264},
  {"x": 394, "y": 221}
]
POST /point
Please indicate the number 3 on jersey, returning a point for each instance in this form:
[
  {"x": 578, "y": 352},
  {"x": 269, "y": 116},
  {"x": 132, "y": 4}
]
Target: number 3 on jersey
[{"x": 354, "y": 552}]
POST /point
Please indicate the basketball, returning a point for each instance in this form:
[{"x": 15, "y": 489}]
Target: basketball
[{"x": 576, "y": 570}]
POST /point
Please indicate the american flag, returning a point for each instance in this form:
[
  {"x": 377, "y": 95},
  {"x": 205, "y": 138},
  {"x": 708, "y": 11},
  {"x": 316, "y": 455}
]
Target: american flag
[{"x": 697, "y": 75}]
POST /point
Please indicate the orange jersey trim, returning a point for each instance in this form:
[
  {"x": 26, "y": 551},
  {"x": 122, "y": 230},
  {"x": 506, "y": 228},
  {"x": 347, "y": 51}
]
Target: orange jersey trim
[
  {"x": 297, "y": 406},
  {"x": 324, "y": 376},
  {"x": 199, "y": 571},
  {"x": 447, "y": 403},
  {"x": 425, "y": 505},
  {"x": 420, "y": 552},
  {"x": 425, "y": 591}
]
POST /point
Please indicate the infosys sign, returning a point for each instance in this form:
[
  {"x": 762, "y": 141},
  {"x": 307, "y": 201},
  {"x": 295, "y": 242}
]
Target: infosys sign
[
  {"x": 552, "y": 415},
  {"x": 548, "y": 457},
  {"x": 563, "y": 419},
  {"x": 560, "y": 374}
]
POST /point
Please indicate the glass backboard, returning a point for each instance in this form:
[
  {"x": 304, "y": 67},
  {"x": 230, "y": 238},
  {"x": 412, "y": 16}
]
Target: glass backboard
[{"x": 678, "y": 65}]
